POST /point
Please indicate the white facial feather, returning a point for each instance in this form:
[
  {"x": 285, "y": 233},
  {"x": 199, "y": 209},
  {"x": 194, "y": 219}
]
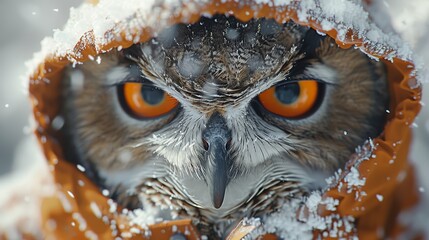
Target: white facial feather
[
  {"x": 180, "y": 142},
  {"x": 255, "y": 141},
  {"x": 322, "y": 72},
  {"x": 162, "y": 159}
]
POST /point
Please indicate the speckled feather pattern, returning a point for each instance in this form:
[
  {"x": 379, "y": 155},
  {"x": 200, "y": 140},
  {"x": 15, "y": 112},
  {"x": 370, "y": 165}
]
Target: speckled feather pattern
[{"x": 222, "y": 65}]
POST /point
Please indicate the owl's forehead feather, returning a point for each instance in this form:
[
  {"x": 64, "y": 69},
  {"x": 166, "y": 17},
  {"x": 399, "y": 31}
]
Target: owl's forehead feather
[{"x": 221, "y": 50}]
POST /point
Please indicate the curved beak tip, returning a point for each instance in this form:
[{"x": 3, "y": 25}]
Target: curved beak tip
[
  {"x": 218, "y": 201},
  {"x": 219, "y": 189}
]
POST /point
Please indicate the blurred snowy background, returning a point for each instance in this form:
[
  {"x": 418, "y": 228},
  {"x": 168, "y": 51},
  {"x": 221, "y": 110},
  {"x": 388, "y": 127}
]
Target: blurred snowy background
[{"x": 24, "y": 23}]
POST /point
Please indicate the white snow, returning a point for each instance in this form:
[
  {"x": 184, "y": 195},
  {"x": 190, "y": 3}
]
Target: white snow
[
  {"x": 353, "y": 179},
  {"x": 70, "y": 194},
  {"x": 285, "y": 224},
  {"x": 58, "y": 123},
  {"x": 95, "y": 209},
  {"x": 118, "y": 17},
  {"x": 142, "y": 218},
  {"x": 80, "y": 220},
  {"x": 91, "y": 235},
  {"x": 105, "y": 192},
  {"x": 64, "y": 202},
  {"x": 80, "y": 167},
  {"x": 77, "y": 79}
]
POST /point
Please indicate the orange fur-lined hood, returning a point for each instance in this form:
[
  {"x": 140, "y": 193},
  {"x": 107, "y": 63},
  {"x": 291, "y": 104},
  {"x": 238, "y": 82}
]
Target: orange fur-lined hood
[{"x": 364, "y": 199}]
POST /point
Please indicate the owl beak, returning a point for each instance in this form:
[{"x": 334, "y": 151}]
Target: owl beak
[{"x": 216, "y": 138}]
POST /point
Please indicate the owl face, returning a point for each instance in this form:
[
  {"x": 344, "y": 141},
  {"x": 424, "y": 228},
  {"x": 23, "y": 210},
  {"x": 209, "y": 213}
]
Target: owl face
[{"x": 207, "y": 118}]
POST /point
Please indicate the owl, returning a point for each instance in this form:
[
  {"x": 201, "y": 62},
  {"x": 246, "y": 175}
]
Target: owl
[{"x": 221, "y": 119}]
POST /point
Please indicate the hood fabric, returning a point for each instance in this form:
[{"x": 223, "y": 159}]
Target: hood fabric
[{"x": 365, "y": 199}]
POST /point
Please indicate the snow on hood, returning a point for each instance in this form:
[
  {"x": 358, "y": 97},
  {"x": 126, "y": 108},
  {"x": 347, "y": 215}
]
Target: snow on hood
[{"x": 107, "y": 19}]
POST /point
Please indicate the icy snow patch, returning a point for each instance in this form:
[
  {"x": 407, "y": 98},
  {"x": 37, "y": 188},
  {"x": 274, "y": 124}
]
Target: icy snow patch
[
  {"x": 285, "y": 223},
  {"x": 110, "y": 17},
  {"x": 140, "y": 219},
  {"x": 353, "y": 179}
]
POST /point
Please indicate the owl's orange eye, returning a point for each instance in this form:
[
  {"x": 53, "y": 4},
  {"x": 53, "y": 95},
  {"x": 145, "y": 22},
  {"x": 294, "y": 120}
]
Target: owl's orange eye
[
  {"x": 291, "y": 100},
  {"x": 146, "y": 101}
]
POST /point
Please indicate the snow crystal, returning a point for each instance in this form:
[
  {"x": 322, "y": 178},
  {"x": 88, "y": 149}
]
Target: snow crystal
[
  {"x": 112, "y": 206},
  {"x": 401, "y": 176},
  {"x": 379, "y": 197},
  {"x": 143, "y": 217},
  {"x": 135, "y": 230},
  {"x": 77, "y": 80},
  {"x": 126, "y": 234},
  {"x": 353, "y": 179},
  {"x": 330, "y": 203},
  {"x": 105, "y": 192},
  {"x": 64, "y": 202},
  {"x": 81, "y": 183},
  {"x": 70, "y": 194},
  {"x": 58, "y": 123},
  {"x": 80, "y": 167},
  {"x": 125, "y": 156},
  {"x": 190, "y": 66},
  {"x": 80, "y": 220},
  {"x": 95, "y": 209},
  {"x": 313, "y": 201},
  {"x": 414, "y": 83},
  {"x": 91, "y": 235},
  {"x": 232, "y": 34}
]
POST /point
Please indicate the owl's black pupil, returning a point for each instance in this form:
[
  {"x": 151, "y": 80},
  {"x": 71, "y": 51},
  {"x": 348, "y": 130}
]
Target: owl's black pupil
[
  {"x": 288, "y": 93},
  {"x": 152, "y": 95}
]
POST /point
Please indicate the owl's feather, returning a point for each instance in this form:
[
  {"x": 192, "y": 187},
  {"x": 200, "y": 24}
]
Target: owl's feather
[{"x": 221, "y": 65}]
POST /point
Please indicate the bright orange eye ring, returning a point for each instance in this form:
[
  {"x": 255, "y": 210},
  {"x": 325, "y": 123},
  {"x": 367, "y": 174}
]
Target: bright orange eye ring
[
  {"x": 136, "y": 103},
  {"x": 301, "y": 103}
]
